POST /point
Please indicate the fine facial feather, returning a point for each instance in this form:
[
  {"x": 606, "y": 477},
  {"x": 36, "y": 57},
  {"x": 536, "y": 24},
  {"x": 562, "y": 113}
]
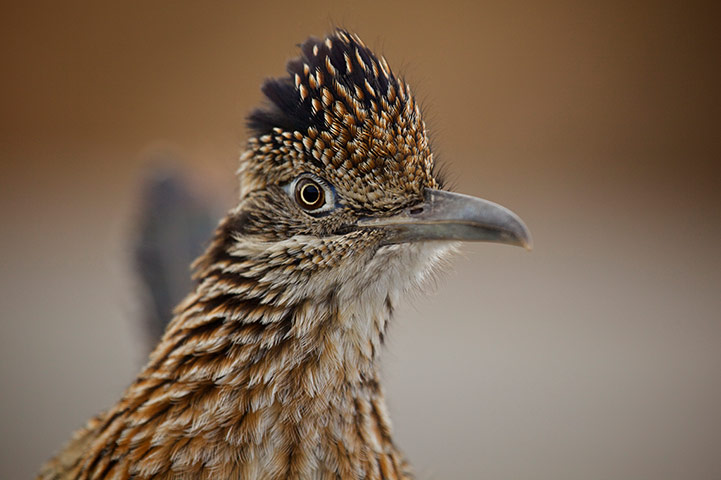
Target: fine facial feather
[{"x": 269, "y": 369}]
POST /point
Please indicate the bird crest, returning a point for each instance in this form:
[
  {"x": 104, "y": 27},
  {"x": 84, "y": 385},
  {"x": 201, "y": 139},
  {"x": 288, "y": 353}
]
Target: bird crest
[{"x": 341, "y": 114}]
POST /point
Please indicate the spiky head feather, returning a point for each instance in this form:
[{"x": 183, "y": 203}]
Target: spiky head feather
[{"x": 343, "y": 115}]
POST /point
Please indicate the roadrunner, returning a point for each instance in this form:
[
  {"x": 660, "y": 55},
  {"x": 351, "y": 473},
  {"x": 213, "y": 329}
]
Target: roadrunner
[{"x": 269, "y": 369}]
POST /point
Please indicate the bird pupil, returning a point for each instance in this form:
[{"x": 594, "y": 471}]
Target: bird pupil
[{"x": 310, "y": 194}]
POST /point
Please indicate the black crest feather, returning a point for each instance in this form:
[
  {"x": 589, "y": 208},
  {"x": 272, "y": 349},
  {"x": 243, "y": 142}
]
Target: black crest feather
[{"x": 339, "y": 59}]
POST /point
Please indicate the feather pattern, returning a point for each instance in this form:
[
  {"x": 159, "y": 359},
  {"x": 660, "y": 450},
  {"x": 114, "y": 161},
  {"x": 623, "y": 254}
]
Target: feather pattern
[{"x": 269, "y": 368}]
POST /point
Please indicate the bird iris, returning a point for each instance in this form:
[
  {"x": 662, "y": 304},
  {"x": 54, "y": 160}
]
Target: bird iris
[
  {"x": 309, "y": 195},
  {"x": 312, "y": 194}
]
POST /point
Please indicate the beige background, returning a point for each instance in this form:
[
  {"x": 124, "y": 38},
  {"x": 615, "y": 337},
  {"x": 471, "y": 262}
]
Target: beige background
[{"x": 596, "y": 356}]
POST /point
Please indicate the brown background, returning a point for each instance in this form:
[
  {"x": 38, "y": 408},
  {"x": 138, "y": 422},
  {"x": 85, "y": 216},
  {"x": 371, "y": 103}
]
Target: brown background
[{"x": 596, "y": 356}]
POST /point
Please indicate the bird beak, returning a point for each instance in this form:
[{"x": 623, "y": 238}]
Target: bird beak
[{"x": 453, "y": 217}]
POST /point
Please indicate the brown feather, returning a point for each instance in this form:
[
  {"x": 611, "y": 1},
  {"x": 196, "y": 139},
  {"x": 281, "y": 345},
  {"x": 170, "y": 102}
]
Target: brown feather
[{"x": 270, "y": 367}]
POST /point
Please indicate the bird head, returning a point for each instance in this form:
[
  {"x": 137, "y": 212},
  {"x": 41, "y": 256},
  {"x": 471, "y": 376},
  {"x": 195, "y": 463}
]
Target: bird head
[{"x": 339, "y": 173}]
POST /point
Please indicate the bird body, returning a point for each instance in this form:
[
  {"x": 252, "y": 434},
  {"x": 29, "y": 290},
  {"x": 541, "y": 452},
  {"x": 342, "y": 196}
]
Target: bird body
[
  {"x": 269, "y": 369},
  {"x": 292, "y": 393}
]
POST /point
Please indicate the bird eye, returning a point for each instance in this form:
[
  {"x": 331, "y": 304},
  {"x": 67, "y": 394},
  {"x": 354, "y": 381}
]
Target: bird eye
[{"x": 309, "y": 194}]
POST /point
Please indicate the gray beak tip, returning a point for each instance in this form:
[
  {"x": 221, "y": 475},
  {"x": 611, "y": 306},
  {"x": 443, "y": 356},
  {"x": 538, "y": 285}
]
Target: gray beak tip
[
  {"x": 523, "y": 235},
  {"x": 527, "y": 242}
]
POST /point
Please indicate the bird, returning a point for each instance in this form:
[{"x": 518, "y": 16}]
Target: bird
[{"x": 270, "y": 367}]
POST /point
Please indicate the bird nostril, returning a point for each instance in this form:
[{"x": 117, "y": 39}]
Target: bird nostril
[{"x": 415, "y": 211}]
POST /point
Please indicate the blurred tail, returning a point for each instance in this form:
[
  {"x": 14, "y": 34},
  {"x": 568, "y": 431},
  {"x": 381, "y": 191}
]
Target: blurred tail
[{"x": 175, "y": 225}]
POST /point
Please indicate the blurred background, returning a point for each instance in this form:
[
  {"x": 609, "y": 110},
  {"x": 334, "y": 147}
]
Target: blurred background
[{"x": 596, "y": 356}]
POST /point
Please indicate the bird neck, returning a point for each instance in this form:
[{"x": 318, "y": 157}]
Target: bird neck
[
  {"x": 309, "y": 322},
  {"x": 286, "y": 378},
  {"x": 306, "y": 349},
  {"x": 254, "y": 322},
  {"x": 269, "y": 368}
]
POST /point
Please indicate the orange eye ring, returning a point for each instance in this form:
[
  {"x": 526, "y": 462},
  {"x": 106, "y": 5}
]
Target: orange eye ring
[{"x": 309, "y": 195}]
